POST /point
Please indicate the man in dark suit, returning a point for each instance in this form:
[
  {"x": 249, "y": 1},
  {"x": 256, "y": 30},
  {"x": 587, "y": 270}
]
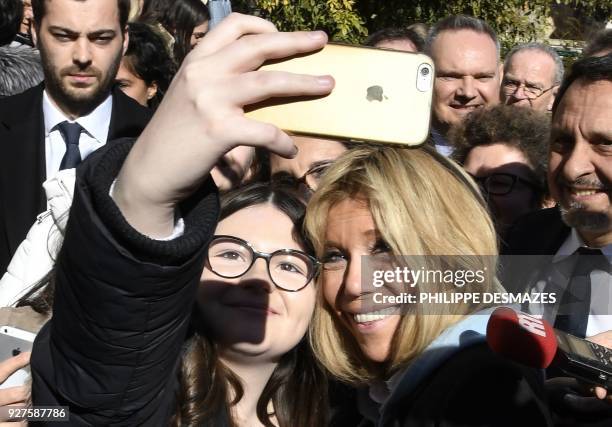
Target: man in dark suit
[
  {"x": 580, "y": 179},
  {"x": 578, "y": 233},
  {"x": 74, "y": 112}
]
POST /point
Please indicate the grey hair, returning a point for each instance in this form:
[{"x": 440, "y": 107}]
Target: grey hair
[
  {"x": 540, "y": 47},
  {"x": 461, "y": 22},
  {"x": 20, "y": 69}
]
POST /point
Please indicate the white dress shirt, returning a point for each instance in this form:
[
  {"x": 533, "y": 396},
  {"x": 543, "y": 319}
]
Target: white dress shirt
[
  {"x": 600, "y": 317},
  {"x": 95, "y": 124},
  {"x": 441, "y": 143}
]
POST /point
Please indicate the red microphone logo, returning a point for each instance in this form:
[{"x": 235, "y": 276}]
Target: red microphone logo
[
  {"x": 531, "y": 324},
  {"x": 521, "y": 337}
]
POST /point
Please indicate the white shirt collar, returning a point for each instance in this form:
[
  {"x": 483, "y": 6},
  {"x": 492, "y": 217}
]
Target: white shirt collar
[
  {"x": 95, "y": 123},
  {"x": 573, "y": 242}
]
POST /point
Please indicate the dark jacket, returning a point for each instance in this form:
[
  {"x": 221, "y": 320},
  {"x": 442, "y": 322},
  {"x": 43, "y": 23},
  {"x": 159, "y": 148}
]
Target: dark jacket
[
  {"x": 22, "y": 159},
  {"x": 538, "y": 233},
  {"x": 541, "y": 234},
  {"x": 122, "y": 306},
  {"x": 529, "y": 248},
  {"x": 459, "y": 381}
]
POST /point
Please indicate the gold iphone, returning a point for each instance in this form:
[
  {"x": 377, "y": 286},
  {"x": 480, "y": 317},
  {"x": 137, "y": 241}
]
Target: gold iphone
[{"x": 380, "y": 95}]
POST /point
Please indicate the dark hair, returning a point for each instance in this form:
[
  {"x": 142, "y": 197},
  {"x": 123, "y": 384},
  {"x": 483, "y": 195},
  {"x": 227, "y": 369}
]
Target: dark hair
[
  {"x": 182, "y": 17},
  {"x": 297, "y": 387},
  {"x": 20, "y": 69},
  {"x": 592, "y": 68},
  {"x": 601, "y": 42},
  {"x": 154, "y": 11},
  {"x": 460, "y": 22},
  {"x": 521, "y": 128},
  {"x": 260, "y": 168},
  {"x": 393, "y": 34},
  {"x": 39, "y": 9},
  {"x": 148, "y": 58},
  {"x": 11, "y": 14}
]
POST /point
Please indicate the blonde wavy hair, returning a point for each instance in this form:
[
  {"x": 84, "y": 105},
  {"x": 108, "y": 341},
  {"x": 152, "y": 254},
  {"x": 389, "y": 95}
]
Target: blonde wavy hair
[{"x": 422, "y": 204}]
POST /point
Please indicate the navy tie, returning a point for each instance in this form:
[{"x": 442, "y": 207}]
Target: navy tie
[
  {"x": 576, "y": 300},
  {"x": 71, "y": 132}
]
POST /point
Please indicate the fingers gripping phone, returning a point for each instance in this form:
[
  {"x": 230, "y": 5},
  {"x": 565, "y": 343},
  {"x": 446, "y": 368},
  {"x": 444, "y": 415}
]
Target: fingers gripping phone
[
  {"x": 380, "y": 95},
  {"x": 14, "y": 341},
  {"x": 584, "y": 360}
]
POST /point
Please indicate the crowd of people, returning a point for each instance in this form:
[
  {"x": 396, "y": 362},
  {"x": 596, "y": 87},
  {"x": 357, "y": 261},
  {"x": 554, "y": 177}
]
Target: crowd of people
[{"x": 182, "y": 264}]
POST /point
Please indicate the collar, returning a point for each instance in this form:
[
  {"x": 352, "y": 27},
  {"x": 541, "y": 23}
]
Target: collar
[
  {"x": 441, "y": 143},
  {"x": 468, "y": 331},
  {"x": 95, "y": 123},
  {"x": 438, "y": 138},
  {"x": 471, "y": 330},
  {"x": 571, "y": 245}
]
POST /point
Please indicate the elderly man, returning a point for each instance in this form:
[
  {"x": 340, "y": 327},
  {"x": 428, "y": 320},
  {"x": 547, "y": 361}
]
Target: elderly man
[
  {"x": 532, "y": 75},
  {"x": 465, "y": 51}
]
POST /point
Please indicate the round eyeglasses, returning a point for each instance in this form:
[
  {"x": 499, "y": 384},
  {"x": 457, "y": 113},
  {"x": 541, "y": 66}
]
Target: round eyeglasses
[
  {"x": 313, "y": 176},
  {"x": 509, "y": 87},
  {"x": 500, "y": 184},
  {"x": 289, "y": 269}
]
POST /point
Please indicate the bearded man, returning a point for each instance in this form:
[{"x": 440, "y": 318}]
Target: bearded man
[{"x": 75, "y": 111}]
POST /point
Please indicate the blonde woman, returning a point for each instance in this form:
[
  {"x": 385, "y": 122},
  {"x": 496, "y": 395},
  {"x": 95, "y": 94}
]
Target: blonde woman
[{"x": 416, "y": 364}]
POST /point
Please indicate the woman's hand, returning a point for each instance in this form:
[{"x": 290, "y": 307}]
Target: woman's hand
[
  {"x": 13, "y": 396},
  {"x": 202, "y": 116}
]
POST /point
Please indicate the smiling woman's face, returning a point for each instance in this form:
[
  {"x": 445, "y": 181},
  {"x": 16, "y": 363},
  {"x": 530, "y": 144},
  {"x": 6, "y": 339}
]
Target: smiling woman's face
[
  {"x": 351, "y": 233},
  {"x": 249, "y": 317}
]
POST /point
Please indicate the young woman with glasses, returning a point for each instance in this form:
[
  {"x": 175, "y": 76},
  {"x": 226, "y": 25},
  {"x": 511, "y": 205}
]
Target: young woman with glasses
[
  {"x": 504, "y": 148},
  {"x": 145, "y": 254},
  {"x": 254, "y": 304}
]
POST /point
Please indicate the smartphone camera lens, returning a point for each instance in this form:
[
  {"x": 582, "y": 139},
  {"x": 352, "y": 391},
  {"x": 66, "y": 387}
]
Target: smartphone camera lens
[{"x": 424, "y": 71}]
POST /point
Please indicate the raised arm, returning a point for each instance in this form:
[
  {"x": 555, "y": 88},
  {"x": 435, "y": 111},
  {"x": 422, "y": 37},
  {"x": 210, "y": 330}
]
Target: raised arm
[
  {"x": 123, "y": 297},
  {"x": 202, "y": 118}
]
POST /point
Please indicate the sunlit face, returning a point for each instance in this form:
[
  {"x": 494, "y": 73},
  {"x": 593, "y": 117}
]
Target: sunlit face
[
  {"x": 312, "y": 153},
  {"x": 484, "y": 160},
  {"x": 28, "y": 16},
  {"x": 81, "y": 44},
  {"x": 133, "y": 86},
  {"x": 580, "y": 160},
  {"x": 399, "y": 44},
  {"x": 351, "y": 233},
  {"x": 467, "y": 75},
  {"x": 248, "y": 316},
  {"x": 198, "y": 34},
  {"x": 533, "y": 69}
]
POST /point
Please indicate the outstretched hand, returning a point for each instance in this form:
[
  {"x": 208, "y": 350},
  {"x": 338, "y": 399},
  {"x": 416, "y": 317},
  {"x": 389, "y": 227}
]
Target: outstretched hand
[{"x": 202, "y": 116}]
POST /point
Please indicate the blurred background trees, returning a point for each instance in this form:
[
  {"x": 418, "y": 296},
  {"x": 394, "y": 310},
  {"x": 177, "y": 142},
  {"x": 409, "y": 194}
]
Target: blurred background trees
[{"x": 515, "y": 21}]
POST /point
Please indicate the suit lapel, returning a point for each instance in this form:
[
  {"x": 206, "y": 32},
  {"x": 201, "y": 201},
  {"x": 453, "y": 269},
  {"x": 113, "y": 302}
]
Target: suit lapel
[
  {"x": 22, "y": 155},
  {"x": 552, "y": 233},
  {"x": 23, "y": 165},
  {"x": 128, "y": 118}
]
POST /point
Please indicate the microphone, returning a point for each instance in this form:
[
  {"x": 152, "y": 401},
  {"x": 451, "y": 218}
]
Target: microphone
[{"x": 522, "y": 337}]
